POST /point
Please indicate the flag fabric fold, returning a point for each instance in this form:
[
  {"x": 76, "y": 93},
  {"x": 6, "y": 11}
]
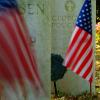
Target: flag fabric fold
[
  {"x": 79, "y": 55},
  {"x": 17, "y": 61}
]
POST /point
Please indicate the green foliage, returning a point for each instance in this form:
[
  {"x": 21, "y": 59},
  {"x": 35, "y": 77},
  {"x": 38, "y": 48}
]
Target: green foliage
[
  {"x": 97, "y": 73},
  {"x": 98, "y": 10},
  {"x": 57, "y": 68},
  {"x": 98, "y": 37}
]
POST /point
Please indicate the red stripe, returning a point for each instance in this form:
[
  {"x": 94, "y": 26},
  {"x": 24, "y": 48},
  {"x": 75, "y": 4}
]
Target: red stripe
[
  {"x": 28, "y": 37},
  {"x": 27, "y": 46},
  {"x": 7, "y": 74},
  {"x": 82, "y": 52},
  {"x": 91, "y": 78},
  {"x": 8, "y": 52},
  {"x": 25, "y": 41},
  {"x": 87, "y": 71},
  {"x": 18, "y": 48},
  {"x": 4, "y": 73},
  {"x": 74, "y": 39},
  {"x": 72, "y": 43},
  {"x": 24, "y": 25},
  {"x": 4, "y": 59},
  {"x": 84, "y": 62},
  {"x": 76, "y": 50}
]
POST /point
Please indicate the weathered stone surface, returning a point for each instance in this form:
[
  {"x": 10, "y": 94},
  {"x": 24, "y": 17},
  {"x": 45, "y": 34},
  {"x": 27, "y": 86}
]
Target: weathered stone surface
[
  {"x": 37, "y": 16},
  {"x": 64, "y": 14},
  {"x": 51, "y": 23}
]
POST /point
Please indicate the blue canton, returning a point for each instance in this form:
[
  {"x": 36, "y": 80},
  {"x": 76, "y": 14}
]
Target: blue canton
[
  {"x": 4, "y": 4},
  {"x": 84, "y": 19}
]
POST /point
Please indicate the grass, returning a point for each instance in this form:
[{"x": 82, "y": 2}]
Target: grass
[{"x": 82, "y": 96}]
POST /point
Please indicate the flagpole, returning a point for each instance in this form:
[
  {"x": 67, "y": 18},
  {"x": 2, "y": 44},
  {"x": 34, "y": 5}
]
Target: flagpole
[{"x": 91, "y": 89}]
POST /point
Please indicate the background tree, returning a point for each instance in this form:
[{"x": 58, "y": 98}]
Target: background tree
[
  {"x": 97, "y": 72},
  {"x": 97, "y": 10}
]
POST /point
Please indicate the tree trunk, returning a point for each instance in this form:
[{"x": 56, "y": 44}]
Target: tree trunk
[{"x": 56, "y": 94}]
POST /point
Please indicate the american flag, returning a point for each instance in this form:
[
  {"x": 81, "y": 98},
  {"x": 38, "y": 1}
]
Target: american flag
[
  {"x": 79, "y": 55},
  {"x": 17, "y": 61}
]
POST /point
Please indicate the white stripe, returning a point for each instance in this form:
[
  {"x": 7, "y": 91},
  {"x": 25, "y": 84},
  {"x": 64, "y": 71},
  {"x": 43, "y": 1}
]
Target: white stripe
[
  {"x": 83, "y": 58},
  {"x": 86, "y": 66},
  {"x": 24, "y": 51},
  {"x": 79, "y": 51},
  {"x": 68, "y": 57},
  {"x": 26, "y": 34},
  {"x": 24, "y": 30},
  {"x": 74, "y": 33}
]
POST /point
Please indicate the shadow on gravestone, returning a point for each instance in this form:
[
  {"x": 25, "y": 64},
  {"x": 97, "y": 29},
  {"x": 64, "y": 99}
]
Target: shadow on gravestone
[{"x": 57, "y": 69}]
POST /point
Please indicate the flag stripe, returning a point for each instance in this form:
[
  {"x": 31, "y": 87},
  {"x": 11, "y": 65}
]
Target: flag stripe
[
  {"x": 85, "y": 69},
  {"x": 74, "y": 46},
  {"x": 29, "y": 72},
  {"x": 91, "y": 78},
  {"x": 79, "y": 44},
  {"x": 33, "y": 65},
  {"x": 79, "y": 50},
  {"x": 10, "y": 53},
  {"x": 24, "y": 68},
  {"x": 8, "y": 61},
  {"x": 31, "y": 69},
  {"x": 82, "y": 59},
  {"x": 88, "y": 42},
  {"x": 21, "y": 29},
  {"x": 74, "y": 37},
  {"x": 20, "y": 47},
  {"x": 88, "y": 70},
  {"x": 11, "y": 50},
  {"x": 83, "y": 64},
  {"x": 8, "y": 76},
  {"x": 16, "y": 58},
  {"x": 89, "y": 75}
]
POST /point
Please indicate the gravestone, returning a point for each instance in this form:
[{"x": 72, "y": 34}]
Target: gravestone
[
  {"x": 64, "y": 14},
  {"x": 37, "y": 16},
  {"x": 51, "y": 23}
]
